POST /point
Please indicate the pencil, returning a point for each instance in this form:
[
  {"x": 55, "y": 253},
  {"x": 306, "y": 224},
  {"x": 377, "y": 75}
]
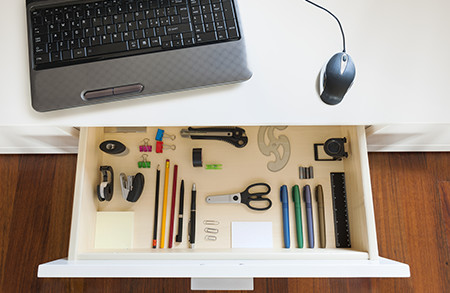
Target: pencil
[
  {"x": 155, "y": 225},
  {"x": 172, "y": 208},
  {"x": 163, "y": 223}
]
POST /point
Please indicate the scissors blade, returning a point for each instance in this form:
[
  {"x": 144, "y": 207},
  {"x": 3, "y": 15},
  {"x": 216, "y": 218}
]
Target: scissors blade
[{"x": 226, "y": 198}]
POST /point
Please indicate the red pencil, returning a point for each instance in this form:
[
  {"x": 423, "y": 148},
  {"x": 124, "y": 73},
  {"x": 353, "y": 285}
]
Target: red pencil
[{"x": 172, "y": 209}]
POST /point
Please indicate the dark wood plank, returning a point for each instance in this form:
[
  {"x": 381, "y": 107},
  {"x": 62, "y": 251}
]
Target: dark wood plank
[{"x": 36, "y": 208}]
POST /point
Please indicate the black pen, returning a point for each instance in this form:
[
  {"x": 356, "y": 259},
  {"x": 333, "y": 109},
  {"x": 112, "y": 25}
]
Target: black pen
[
  {"x": 192, "y": 219},
  {"x": 180, "y": 214},
  {"x": 155, "y": 225}
]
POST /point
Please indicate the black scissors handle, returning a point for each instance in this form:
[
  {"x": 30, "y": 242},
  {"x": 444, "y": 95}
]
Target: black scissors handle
[{"x": 247, "y": 196}]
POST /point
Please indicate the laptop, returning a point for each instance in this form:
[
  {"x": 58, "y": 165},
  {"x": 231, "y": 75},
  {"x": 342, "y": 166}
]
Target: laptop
[{"x": 89, "y": 52}]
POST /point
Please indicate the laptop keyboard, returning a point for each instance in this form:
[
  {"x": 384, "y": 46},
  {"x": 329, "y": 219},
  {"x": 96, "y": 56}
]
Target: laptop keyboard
[{"x": 86, "y": 32}]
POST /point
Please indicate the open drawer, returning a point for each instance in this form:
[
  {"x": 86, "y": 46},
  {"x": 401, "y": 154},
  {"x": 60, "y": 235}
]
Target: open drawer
[{"x": 240, "y": 168}]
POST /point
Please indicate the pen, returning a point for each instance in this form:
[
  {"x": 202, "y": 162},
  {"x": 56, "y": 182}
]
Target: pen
[
  {"x": 155, "y": 225},
  {"x": 179, "y": 237},
  {"x": 309, "y": 215},
  {"x": 298, "y": 214},
  {"x": 163, "y": 222},
  {"x": 172, "y": 209},
  {"x": 192, "y": 219},
  {"x": 285, "y": 207},
  {"x": 320, "y": 207}
]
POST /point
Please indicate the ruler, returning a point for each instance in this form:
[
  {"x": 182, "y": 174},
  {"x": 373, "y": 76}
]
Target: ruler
[{"x": 339, "y": 197}]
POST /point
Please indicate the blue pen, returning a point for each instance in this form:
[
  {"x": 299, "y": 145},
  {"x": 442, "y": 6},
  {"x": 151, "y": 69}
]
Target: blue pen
[
  {"x": 285, "y": 202},
  {"x": 309, "y": 215}
]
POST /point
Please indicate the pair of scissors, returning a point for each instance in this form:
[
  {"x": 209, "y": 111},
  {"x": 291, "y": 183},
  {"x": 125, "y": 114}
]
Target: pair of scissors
[{"x": 249, "y": 195}]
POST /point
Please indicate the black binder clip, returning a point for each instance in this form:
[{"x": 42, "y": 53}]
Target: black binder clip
[
  {"x": 334, "y": 147},
  {"x": 132, "y": 186},
  {"x": 106, "y": 188}
]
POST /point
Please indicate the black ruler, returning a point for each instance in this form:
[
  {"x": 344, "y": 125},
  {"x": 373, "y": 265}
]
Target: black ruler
[{"x": 339, "y": 197}]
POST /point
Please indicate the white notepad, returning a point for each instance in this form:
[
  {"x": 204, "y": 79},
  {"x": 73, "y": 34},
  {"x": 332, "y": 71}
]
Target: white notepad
[{"x": 251, "y": 235}]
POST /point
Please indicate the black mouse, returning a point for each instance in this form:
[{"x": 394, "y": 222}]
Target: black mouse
[{"x": 336, "y": 77}]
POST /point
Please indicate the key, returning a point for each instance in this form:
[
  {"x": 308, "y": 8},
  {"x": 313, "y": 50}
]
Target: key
[
  {"x": 78, "y": 53},
  {"x": 206, "y": 37},
  {"x": 41, "y": 58},
  {"x": 107, "y": 49},
  {"x": 179, "y": 28}
]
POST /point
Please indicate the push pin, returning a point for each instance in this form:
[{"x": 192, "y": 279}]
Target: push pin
[
  {"x": 160, "y": 135},
  {"x": 145, "y": 147},
  {"x": 144, "y": 163},
  {"x": 160, "y": 146}
]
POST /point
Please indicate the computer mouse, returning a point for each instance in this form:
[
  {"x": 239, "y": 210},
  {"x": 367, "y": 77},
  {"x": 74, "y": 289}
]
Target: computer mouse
[{"x": 336, "y": 77}]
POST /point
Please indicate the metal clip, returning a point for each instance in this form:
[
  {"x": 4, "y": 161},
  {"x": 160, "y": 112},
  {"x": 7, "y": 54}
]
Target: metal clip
[
  {"x": 160, "y": 146},
  {"x": 211, "y": 230},
  {"x": 211, "y": 222},
  {"x": 145, "y": 147},
  {"x": 144, "y": 163},
  {"x": 210, "y": 238},
  {"x": 160, "y": 134}
]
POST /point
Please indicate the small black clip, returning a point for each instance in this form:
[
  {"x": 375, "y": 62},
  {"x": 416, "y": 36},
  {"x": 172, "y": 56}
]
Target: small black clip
[{"x": 106, "y": 188}]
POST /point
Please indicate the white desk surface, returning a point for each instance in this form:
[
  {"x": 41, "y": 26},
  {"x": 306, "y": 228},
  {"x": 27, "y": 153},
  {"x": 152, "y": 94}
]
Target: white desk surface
[{"x": 401, "y": 50}]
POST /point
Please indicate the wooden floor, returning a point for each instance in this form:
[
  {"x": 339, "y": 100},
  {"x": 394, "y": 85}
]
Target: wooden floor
[{"x": 411, "y": 198}]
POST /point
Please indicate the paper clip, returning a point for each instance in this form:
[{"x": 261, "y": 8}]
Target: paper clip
[
  {"x": 160, "y": 135},
  {"x": 145, "y": 147},
  {"x": 213, "y": 167},
  {"x": 160, "y": 146},
  {"x": 144, "y": 163},
  {"x": 211, "y": 230},
  {"x": 210, "y": 237},
  {"x": 211, "y": 222}
]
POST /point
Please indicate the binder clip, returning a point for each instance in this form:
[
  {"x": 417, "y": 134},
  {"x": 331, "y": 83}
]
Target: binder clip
[
  {"x": 106, "y": 188},
  {"x": 145, "y": 147},
  {"x": 160, "y": 135},
  {"x": 144, "y": 163},
  {"x": 160, "y": 146},
  {"x": 132, "y": 186}
]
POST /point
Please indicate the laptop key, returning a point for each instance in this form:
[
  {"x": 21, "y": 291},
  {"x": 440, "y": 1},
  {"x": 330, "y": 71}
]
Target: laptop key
[
  {"x": 106, "y": 49},
  {"x": 41, "y": 58},
  {"x": 78, "y": 53},
  {"x": 206, "y": 37}
]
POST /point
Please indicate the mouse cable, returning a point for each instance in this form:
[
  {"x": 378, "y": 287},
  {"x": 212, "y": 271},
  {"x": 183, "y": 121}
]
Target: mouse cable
[{"x": 340, "y": 26}]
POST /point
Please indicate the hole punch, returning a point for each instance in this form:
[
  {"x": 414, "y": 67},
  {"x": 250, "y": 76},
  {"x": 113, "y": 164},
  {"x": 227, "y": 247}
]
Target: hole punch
[
  {"x": 160, "y": 134},
  {"x": 144, "y": 163},
  {"x": 333, "y": 147},
  {"x": 145, "y": 147}
]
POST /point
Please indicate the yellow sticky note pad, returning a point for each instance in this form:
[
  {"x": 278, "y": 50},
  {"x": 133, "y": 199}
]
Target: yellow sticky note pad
[{"x": 114, "y": 230}]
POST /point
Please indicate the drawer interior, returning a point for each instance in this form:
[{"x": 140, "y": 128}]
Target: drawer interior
[{"x": 240, "y": 168}]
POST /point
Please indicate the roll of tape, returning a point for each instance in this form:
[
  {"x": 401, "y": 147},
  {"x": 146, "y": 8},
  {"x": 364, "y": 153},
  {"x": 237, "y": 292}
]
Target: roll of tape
[
  {"x": 114, "y": 147},
  {"x": 197, "y": 157}
]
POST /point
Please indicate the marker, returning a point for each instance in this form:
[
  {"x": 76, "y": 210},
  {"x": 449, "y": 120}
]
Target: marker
[
  {"x": 309, "y": 215},
  {"x": 166, "y": 187},
  {"x": 192, "y": 219},
  {"x": 320, "y": 207},
  {"x": 298, "y": 214},
  {"x": 285, "y": 207}
]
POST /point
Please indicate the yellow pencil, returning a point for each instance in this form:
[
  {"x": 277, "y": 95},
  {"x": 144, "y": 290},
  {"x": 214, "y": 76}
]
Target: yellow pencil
[{"x": 166, "y": 187}]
